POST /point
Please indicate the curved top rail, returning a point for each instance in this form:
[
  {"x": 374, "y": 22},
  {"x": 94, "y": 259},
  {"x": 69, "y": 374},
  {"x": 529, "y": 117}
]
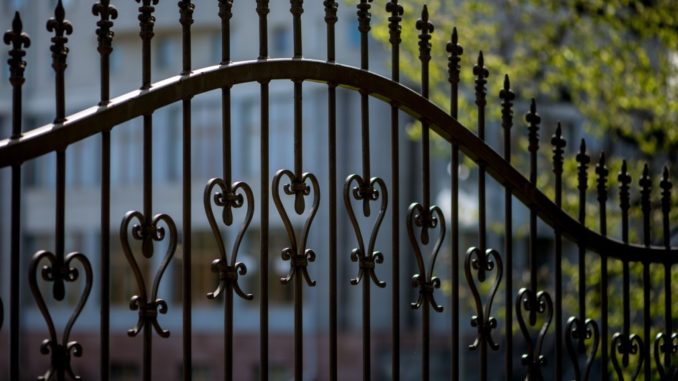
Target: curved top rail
[{"x": 54, "y": 137}]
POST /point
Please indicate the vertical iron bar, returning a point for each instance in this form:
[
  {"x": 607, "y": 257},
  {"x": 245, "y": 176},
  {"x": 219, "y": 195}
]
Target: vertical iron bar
[
  {"x": 624, "y": 181},
  {"x": 264, "y": 199},
  {"x": 507, "y": 97},
  {"x": 18, "y": 41},
  {"x": 296, "y": 10},
  {"x": 646, "y": 188},
  {"x": 426, "y": 341},
  {"x": 481, "y": 74},
  {"x": 454, "y": 70},
  {"x": 426, "y": 29},
  {"x": 665, "y": 185},
  {"x": 330, "y": 20},
  {"x": 228, "y": 335},
  {"x": 61, "y": 28},
  {"x": 186, "y": 9},
  {"x": 395, "y": 18},
  {"x": 148, "y": 343},
  {"x": 602, "y": 172},
  {"x": 225, "y": 8},
  {"x": 583, "y": 160},
  {"x": 558, "y": 149},
  {"x": 105, "y": 252},
  {"x": 533, "y": 119},
  {"x": 107, "y": 13},
  {"x": 364, "y": 27},
  {"x": 15, "y": 278},
  {"x": 262, "y": 11},
  {"x": 146, "y": 23}
]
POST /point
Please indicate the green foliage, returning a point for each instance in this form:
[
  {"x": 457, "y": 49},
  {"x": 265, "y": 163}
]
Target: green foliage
[{"x": 615, "y": 61}]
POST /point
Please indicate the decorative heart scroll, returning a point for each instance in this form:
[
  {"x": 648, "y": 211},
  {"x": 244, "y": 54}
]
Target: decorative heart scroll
[
  {"x": 425, "y": 219},
  {"x": 227, "y": 268},
  {"x": 483, "y": 263},
  {"x": 576, "y": 337},
  {"x": 627, "y": 346},
  {"x": 666, "y": 345},
  {"x": 60, "y": 351},
  {"x": 366, "y": 191},
  {"x": 540, "y": 304},
  {"x": 148, "y": 305},
  {"x": 297, "y": 253}
]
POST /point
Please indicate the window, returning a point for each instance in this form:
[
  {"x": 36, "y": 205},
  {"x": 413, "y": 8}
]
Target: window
[
  {"x": 282, "y": 41},
  {"x": 203, "y": 251},
  {"x": 167, "y": 49},
  {"x": 121, "y": 275},
  {"x": 124, "y": 371}
]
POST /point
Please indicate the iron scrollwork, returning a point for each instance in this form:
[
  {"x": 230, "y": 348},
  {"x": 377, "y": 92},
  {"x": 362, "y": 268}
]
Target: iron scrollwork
[
  {"x": 366, "y": 192},
  {"x": 539, "y": 304},
  {"x": 148, "y": 305},
  {"x": 627, "y": 346},
  {"x": 425, "y": 281},
  {"x": 482, "y": 263},
  {"x": 576, "y": 335},
  {"x": 59, "y": 351},
  {"x": 297, "y": 253},
  {"x": 228, "y": 268},
  {"x": 663, "y": 345}
]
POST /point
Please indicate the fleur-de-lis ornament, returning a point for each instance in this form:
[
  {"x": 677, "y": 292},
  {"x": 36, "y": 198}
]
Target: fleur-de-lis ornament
[
  {"x": 18, "y": 40},
  {"x": 394, "y": 27},
  {"x": 107, "y": 13}
]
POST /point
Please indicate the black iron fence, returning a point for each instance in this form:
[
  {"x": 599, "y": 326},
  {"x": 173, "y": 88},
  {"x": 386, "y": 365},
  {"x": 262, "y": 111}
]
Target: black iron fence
[{"x": 538, "y": 312}]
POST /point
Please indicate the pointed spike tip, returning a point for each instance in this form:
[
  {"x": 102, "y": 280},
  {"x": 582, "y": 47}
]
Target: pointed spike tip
[
  {"x": 646, "y": 170},
  {"x": 533, "y": 106},
  {"x": 666, "y": 172},
  {"x": 602, "y": 158},
  {"x": 424, "y": 12},
  {"x": 559, "y": 131},
  {"x": 624, "y": 168},
  {"x": 507, "y": 82},
  {"x": 582, "y": 146},
  {"x": 481, "y": 59},
  {"x": 454, "y": 35}
]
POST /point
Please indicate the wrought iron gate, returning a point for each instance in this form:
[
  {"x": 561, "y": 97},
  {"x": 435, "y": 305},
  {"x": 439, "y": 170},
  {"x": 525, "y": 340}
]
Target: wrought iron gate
[{"x": 585, "y": 339}]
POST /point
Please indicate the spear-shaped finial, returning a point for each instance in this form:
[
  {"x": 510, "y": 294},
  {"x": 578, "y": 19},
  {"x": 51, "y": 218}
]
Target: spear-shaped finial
[
  {"x": 602, "y": 172},
  {"x": 533, "y": 119},
  {"x": 396, "y": 11},
  {"x": 107, "y": 13},
  {"x": 454, "y": 59},
  {"x": 507, "y": 96},
  {"x": 18, "y": 40},
  {"x": 624, "y": 186},
  {"x": 364, "y": 15},
  {"x": 226, "y": 7},
  {"x": 481, "y": 74},
  {"x": 331, "y": 7},
  {"x": 583, "y": 160},
  {"x": 186, "y": 9},
  {"x": 61, "y": 28},
  {"x": 146, "y": 18},
  {"x": 426, "y": 28},
  {"x": 666, "y": 185},
  {"x": 558, "y": 143},
  {"x": 645, "y": 183}
]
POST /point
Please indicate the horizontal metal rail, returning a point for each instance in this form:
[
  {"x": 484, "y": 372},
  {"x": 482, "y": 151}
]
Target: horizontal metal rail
[{"x": 76, "y": 127}]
